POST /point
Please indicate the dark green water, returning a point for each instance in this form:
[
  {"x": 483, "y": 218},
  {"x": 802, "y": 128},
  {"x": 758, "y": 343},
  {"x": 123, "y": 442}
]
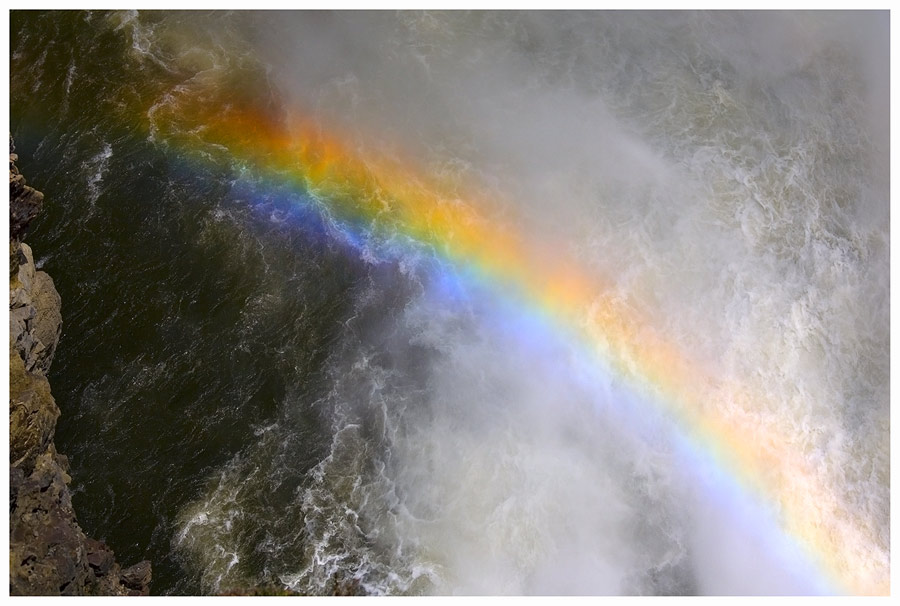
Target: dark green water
[{"x": 190, "y": 318}]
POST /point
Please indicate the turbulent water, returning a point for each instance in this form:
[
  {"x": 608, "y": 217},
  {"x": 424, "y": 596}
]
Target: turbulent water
[{"x": 254, "y": 393}]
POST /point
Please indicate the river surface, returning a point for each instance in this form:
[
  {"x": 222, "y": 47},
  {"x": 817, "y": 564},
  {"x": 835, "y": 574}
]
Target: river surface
[{"x": 272, "y": 375}]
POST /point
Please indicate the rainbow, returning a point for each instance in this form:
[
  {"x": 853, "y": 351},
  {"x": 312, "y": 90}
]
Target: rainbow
[{"x": 393, "y": 194}]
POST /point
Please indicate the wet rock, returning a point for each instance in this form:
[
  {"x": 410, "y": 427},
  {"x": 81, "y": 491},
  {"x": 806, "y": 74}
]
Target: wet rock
[
  {"x": 343, "y": 585},
  {"x": 99, "y": 557},
  {"x": 137, "y": 577}
]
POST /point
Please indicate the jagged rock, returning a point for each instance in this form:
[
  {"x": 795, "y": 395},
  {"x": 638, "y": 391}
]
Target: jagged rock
[
  {"x": 26, "y": 267},
  {"x": 48, "y": 319},
  {"x": 35, "y": 314},
  {"x": 28, "y": 202},
  {"x": 49, "y": 553},
  {"x": 45, "y": 544},
  {"x": 13, "y": 261},
  {"x": 20, "y": 335},
  {"x": 99, "y": 557},
  {"x": 32, "y": 414},
  {"x": 137, "y": 577},
  {"x": 24, "y": 201}
]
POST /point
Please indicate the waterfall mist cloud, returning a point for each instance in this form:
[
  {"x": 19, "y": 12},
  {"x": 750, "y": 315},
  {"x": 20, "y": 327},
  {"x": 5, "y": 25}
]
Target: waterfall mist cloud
[{"x": 727, "y": 175}]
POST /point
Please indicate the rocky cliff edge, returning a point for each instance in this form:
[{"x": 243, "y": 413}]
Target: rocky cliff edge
[{"x": 49, "y": 554}]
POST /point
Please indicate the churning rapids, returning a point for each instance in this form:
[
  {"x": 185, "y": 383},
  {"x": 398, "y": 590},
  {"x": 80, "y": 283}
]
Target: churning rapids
[{"x": 311, "y": 372}]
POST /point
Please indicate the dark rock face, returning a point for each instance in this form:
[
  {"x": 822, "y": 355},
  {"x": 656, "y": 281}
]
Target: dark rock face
[
  {"x": 137, "y": 578},
  {"x": 48, "y": 552},
  {"x": 45, "y": 544},
  {"x": 28, "y": 200}
]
